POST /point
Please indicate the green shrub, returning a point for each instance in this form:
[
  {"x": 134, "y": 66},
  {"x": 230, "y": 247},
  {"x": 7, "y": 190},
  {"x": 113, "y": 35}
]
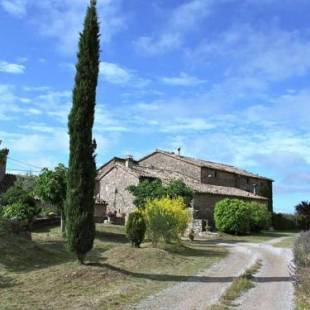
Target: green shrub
[
  {"x": 282, "y": 221},
  {"x": 166, "y": 219},
  {"x": 135, "y": 228},
  {"x": 21, "y": 212},
  {"x": 154, "y": 189},
  {"x": 260, "y": 216},
  {"x": 145, "y": 190},
  {"x": 303, "y": 212},
  {"x": 302, "y": 250},
  {"x": 16, "y": 194},
  {"x": 177, "y": 188},
  {"x": 232, "y": 216}
]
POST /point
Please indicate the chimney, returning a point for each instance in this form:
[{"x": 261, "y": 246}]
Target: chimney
[
  {"x": 129, "y": 161},
  {"x": 179, "y": 151}
]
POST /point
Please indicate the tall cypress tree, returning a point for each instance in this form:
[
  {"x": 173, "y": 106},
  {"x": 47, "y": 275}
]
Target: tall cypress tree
[{"x": 82, "y": 167}]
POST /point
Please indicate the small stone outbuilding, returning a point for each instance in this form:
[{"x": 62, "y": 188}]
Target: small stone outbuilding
[{"x": 6, "y": 180}]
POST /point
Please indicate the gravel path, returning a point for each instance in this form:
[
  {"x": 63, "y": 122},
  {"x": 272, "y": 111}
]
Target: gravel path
[
  {"x": 205, "y": 288},
  {"x": 273, "y": 288}
]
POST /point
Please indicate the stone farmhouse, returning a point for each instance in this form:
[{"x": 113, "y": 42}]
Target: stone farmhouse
[{"x": 211, "y": 182}]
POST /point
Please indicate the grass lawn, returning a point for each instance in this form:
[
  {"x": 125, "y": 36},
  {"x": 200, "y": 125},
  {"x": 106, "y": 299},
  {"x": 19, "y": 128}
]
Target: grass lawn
[
  {"x": 287, "y": 242},
  {"x": 255, "y": 238},
  {"x": 41, "y": 274}
]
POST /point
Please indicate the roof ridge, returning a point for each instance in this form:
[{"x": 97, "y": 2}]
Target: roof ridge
[{"x": 195, "y": 161}]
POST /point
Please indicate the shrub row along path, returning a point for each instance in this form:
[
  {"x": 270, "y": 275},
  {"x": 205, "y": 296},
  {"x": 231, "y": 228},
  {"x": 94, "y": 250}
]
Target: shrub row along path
[{"x": 273, "y": 288}]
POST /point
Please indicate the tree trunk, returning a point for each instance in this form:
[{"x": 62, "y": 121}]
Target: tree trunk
[
  {"x": 81, "y": 258},
  {"x": 62, "y": 224}
]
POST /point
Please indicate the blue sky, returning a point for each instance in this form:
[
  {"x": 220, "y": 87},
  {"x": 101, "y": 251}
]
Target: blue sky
[{"x": 227, "y": 80}]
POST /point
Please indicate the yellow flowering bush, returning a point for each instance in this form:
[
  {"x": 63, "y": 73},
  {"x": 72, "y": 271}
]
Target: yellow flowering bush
[{"x": 166, "y": 219}]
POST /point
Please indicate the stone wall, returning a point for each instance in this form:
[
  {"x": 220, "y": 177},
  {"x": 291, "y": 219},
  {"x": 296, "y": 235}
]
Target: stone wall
[
  {"x": 2, "y": 170},
  {"x": 217, "y": 177},
  {"x": 100, "y": 212},
  {"x": 222, "y": 178},
  {"x": 112, "y": 188},
  {"x": 166, "y": 162},
  {"x": 108, "y": 166}
]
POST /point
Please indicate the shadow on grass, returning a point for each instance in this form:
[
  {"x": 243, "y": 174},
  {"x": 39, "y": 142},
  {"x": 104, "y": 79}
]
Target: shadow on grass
[
  {"x": 20, "y": 255},
  {"x": 182, "y": 278},
  {"x": 44, "y": 230},
  {"x": 192, "y": 250},
  {"x": 111, "y": 237},
  {"x": 6, "y": 282}
]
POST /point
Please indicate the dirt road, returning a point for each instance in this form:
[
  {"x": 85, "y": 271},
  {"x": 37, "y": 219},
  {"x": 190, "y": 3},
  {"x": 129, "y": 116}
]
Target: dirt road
[{"x": 273, "y": 289}]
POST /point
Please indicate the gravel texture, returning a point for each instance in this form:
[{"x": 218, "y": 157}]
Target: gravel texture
[{"x": 273, "y": 289}]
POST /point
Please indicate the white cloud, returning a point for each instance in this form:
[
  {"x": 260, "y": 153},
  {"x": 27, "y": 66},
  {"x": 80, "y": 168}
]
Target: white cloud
[
  {"x": 63, "y": 19},
  {"x": 8, "y": 107},
  {"x": 14, "y": 7},
  {"x": 106, "y": 121},
  {"x": 36, "y": 88},
  {"x": 11, "y": 67},
  {"x": 182, "y": 80},
  {"x": 185, "y": 125},
  {"x": 116, "y": 74},
  {"x": 266, "y": 53},
  {"x": 183, "y": 19},
  {"x": 39, "y": 127}
]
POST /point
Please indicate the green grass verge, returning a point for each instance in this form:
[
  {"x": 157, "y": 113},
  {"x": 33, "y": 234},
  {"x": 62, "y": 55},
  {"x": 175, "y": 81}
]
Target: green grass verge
[
  {"x": 239, "y": 286},
  {"x": 302, "y": 292},
  {"x": 287, "y": 242},
  {"x": 42, "y": 274},
  {"x": 254, "y": 238}
]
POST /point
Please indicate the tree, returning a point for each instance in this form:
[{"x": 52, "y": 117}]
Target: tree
[
  {"x": 16, "y": 194},
  {"x": 260, "y": 217},
  {"x": 135, "y": 228},
  {"x": 26, "y": 182},
  {"x": 51, "y": 187},
  {"x": 153, "y": 189},
  {"x": 303, "y": 211},
  {"x": 80, "y": 202},
  {"x": 147, "y": 189},
  {"x": 21, "y": 212},
  {"x": 177, "y": 188}
]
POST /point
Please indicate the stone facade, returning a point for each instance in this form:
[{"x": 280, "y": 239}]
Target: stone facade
[
  {"x": 111, "y": 190},
  {"x": 206, "y": 175},
  {"x": 168, "y": 163},
  {"x": 210, "y": 182}
]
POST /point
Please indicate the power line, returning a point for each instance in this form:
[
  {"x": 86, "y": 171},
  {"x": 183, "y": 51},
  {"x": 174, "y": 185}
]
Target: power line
[
  {"x": 25, "y": 164},
  {"x": 21, "y": 170}
]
